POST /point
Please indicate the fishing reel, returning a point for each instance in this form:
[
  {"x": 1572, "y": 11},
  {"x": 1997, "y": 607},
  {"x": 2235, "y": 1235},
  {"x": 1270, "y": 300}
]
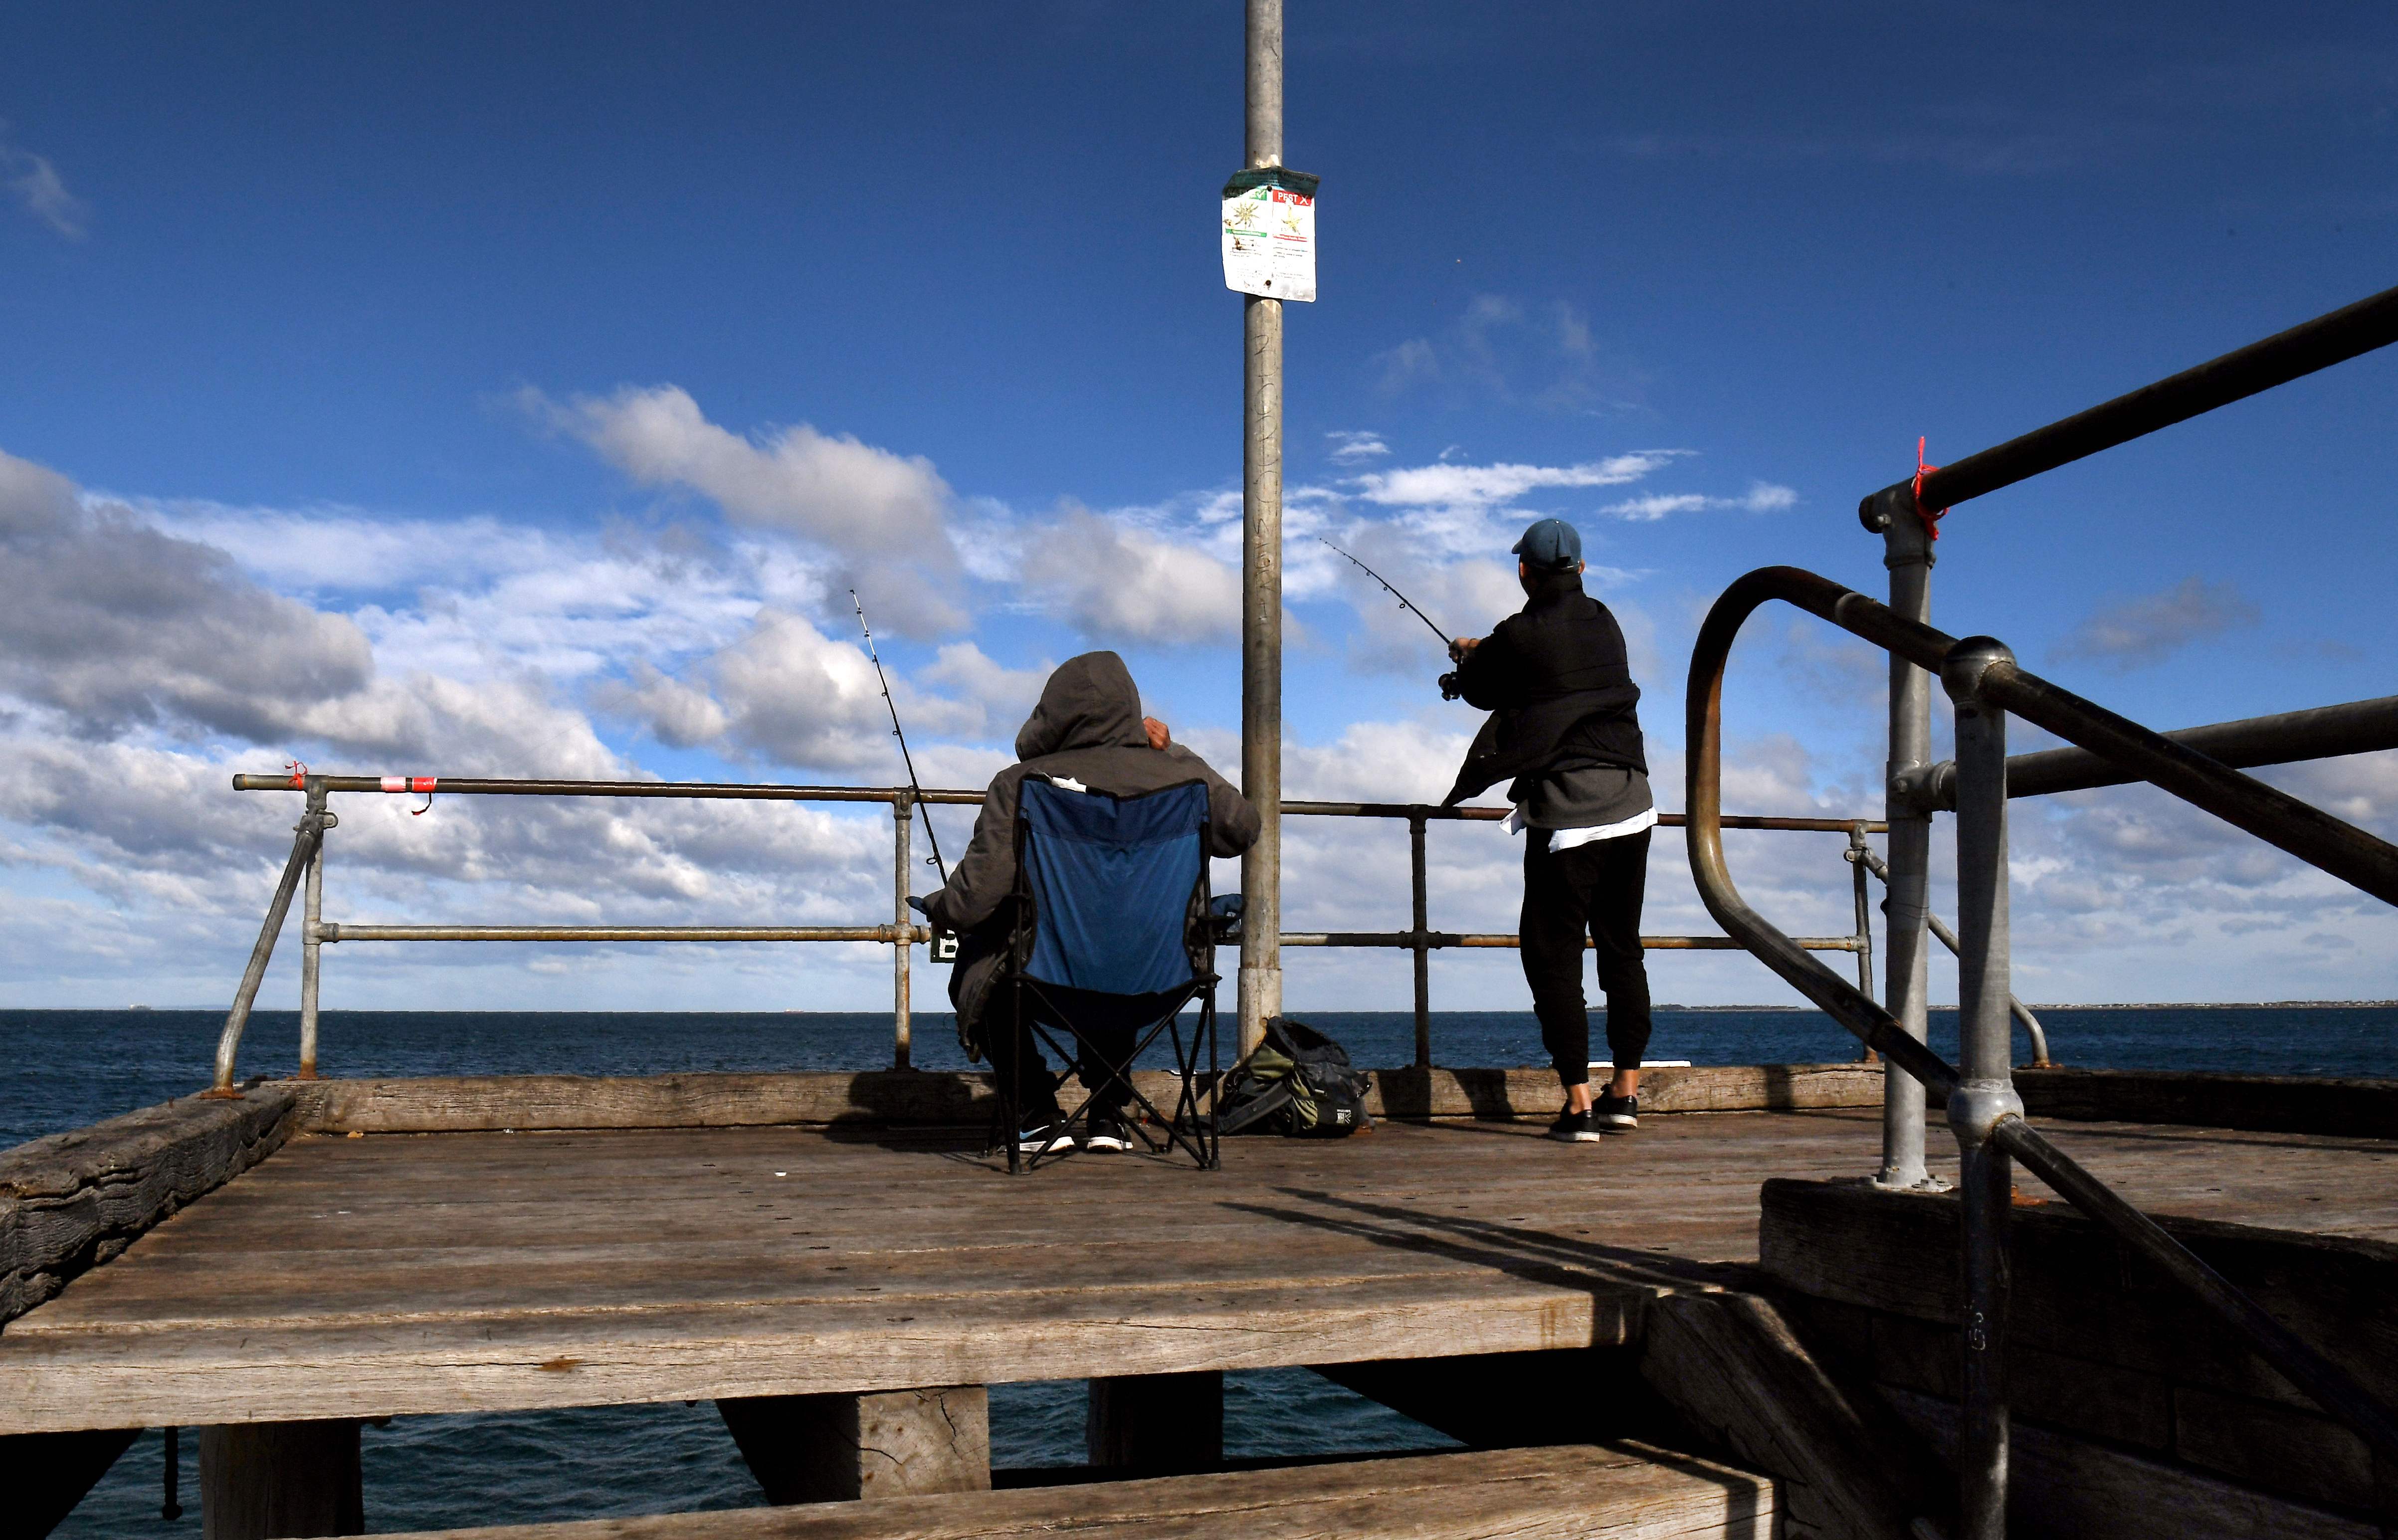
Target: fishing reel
[{"x": 1449, "y": 689}]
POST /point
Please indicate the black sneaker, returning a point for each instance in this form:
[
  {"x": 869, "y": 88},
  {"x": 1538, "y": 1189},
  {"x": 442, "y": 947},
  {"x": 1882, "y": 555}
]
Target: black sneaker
[
  {"x": 1575, "y": 1128},
  {"x": 1107, "y": 1136},
  {"x": 1043, "y": 1136},
  {"x": 1616, "y": 1114}
]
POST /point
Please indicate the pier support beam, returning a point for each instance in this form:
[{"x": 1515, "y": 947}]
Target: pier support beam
[
  {"x": 45, "y": 1475},
  {"x": 263, "y": 1480},
  {"x": 889, "y": 1443},
  {"x": 1157, "y": 1424}
]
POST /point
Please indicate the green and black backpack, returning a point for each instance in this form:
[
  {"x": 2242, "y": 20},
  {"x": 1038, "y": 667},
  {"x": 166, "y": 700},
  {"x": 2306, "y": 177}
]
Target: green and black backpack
[{"x": 1297, "y": 1082}]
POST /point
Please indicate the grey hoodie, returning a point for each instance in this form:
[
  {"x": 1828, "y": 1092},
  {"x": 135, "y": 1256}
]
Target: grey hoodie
[{"x": 1086, "y": 728}]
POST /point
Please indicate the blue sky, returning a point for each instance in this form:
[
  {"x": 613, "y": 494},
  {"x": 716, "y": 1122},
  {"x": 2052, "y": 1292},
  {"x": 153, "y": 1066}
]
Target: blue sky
[{"x": 472, "y": 352}]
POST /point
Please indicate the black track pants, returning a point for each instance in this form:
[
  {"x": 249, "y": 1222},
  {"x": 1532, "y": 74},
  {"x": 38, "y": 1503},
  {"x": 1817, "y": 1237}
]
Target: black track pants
[
  {"x": 1597, "y": 888},
  {"x": 1111, "y": 1037}
]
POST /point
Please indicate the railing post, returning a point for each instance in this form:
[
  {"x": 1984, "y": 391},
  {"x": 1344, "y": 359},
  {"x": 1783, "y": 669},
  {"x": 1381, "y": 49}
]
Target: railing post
[
  {"x": 1422, "y": 942},
  {"x": 312, "y": 917},
  {"x": 1986, "y": 1090},
  {"x": 903, "y": 821},
  {"x": 308, "y": 834},
  {"x": 1907, "y": 551},
  {"x": 1858, "y": 852}
]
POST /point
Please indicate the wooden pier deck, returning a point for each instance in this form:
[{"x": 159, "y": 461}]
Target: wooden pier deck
[{"x": 364, "y": 1277}]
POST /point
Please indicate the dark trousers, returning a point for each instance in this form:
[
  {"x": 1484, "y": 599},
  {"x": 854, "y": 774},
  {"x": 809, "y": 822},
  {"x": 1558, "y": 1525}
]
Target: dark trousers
[
  {"x": 1595, "y": 888},
  {"x": 1107, "y": 1027}
]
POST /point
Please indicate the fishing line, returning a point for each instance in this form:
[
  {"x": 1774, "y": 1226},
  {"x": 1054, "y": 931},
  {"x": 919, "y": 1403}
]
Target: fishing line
[
  {"x": 933, "y": 860},
  {"x": 1448, "y": 690}
]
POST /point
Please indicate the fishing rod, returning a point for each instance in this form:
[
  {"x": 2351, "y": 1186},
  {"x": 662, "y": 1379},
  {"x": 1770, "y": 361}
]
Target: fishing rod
[
  {"x": 1449, "y": 644},
  {"x": 933, "y": 860},
  {"x": 1446, "y": 640}
]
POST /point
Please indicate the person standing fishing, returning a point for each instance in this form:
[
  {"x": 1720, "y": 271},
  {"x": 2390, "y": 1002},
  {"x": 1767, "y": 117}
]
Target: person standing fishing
[{"x": 1565, "y": 733}]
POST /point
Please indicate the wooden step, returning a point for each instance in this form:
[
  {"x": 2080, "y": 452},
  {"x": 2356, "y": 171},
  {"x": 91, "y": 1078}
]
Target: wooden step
[{"x": 1621, "y": 1491}]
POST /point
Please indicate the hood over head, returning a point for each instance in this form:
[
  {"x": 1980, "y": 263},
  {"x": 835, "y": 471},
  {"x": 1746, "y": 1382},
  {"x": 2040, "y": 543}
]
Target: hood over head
[{"x": 1090, "y": 702}]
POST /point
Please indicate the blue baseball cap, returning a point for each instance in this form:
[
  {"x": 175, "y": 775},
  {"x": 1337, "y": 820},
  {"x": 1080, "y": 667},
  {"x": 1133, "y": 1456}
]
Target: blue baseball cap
[{"x": 1552, "y": 542}]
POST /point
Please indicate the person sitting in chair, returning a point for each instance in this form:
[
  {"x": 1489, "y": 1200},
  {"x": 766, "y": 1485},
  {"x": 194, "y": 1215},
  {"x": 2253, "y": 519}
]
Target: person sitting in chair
[{"x": 1087, "y": 733}]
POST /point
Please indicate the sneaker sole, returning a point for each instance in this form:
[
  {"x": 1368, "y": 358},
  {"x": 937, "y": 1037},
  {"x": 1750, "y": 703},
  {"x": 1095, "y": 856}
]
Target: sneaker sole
[
  {"x": 1626, "y": 1127},
  {"x": 1574, "y": 1138},
  {"x": 1107, "y": 1146}
]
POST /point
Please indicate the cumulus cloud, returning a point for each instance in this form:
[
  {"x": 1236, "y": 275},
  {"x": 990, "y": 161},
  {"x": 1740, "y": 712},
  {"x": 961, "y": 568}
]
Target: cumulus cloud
[
  {"x": 37, "y": 186},
  {"x": 884, "y": 516},
  {"x": 1118, "y": 583},
  {"x": 2132, "y": 633},
  {"x": 114, "y": 623}
]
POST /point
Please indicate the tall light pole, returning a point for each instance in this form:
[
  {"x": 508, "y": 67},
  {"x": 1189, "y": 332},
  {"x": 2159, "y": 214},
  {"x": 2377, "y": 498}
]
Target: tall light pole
[{"x": 1261, "y": 981}]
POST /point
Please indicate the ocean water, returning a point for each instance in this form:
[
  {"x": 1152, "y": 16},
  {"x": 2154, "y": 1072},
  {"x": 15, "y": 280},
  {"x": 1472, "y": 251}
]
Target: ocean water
[{"x": 65, "y": 1069}]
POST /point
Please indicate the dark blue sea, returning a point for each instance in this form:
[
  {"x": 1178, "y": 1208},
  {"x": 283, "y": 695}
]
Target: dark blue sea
[{"x": 64, "y": 1069}]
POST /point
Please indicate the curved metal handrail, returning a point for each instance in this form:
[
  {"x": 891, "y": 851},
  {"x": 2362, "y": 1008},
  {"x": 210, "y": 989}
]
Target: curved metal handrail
[{"x": 2151, "y": 757}]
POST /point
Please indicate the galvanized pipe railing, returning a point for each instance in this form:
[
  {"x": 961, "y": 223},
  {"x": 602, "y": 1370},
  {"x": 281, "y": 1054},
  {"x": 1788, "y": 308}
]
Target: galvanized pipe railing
[
  {"x": 1987, "y": 684},
  {"x": 1868, "y": 861},
  {"x": 318, "y": 932}
]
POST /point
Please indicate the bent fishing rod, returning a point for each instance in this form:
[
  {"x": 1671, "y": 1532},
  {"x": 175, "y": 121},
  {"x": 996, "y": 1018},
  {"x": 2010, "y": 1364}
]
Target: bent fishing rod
[
  {"x": 934, "y": 860},
  {"x": 1448, "y": 642}
]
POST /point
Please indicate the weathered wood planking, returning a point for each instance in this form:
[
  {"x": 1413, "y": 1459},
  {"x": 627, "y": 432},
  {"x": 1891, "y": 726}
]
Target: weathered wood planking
[
  {"x": 2063, "y": 1486},
  {"x": 370, "y": 1276},
  {"x": 937, "y": 1099},
  {"x": 1624, "y": 1493},
  {"x": 2267, "y": 1103},
  {"x": 71, "y": 1201},
  {"x": 2101, "y": 1345}
]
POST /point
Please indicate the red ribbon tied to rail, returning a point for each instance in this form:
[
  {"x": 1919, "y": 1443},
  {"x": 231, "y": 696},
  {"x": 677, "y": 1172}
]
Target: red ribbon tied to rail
[
  {"x": 424, "y": 784},
  {"x": 299, "y": 775},
  {"x": 1930, "y": 516}
]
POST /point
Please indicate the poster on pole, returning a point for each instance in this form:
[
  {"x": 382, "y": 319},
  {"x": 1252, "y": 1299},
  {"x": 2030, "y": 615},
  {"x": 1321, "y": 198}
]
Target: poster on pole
[{"x": 1270, "y": 233}]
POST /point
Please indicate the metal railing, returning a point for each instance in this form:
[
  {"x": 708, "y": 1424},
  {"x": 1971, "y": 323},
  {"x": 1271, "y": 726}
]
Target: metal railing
[
  {"x": 307, "y": 865},
  {"x": 1987, "y": 685}
]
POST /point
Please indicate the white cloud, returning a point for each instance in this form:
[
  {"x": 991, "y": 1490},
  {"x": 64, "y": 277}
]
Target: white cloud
[
  {"x": 1118, "y": 583},
  {"x": 2148, "y": 629},
  {"x": 1761, "y": 497},
  {"x": 886, "y": 516},
  {"x": 114, "y": 623},
  {"x": 1492, "y": 486},
  {"x": 1348, "y": 447},
  {"x": 39, "y": 186}
]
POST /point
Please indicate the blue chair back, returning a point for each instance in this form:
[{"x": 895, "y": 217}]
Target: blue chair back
[{"x": 1110, "y": 880}]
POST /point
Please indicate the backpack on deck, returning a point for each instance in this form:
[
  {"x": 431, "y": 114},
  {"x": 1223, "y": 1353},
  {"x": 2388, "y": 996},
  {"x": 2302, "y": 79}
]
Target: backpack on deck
[{"x": 1297, "y": 1082}]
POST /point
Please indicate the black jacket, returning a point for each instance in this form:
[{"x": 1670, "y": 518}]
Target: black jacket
[
  {"x": 1086, "y": 728},
  {"x": 1559, "y": 691}
]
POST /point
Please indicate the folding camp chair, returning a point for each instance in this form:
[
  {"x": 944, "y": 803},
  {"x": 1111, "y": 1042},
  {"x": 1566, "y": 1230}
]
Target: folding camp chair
[{"x": 1113, "y": 931}]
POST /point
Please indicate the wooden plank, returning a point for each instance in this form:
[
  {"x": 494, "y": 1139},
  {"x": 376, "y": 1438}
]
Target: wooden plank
[
  {"x": 2077, "y": 1292},
  {"x": 72, "y": 1201},
  {"x": 264, "y": 1479},
  {"x": 1737, "y": 1373},
  {"x": 2267, "y": 1102},
  {"x": 1619, "y": 1494},
  {"x": 891, "y": 1443},
  {"x": 942, "y": 1099},
  {"x": 2063, "y": 1486},
  {"x": 1156, "y": 1424},
  {"x": 148, "y": 1379}
]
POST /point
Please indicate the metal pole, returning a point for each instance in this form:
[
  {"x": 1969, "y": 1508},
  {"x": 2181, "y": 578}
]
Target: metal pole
[
  {"x": 1858, "y": 852},
  {"x": 1985, "y": 1087},
  {"x": 1423, "y": 942},
  {"x": 1261, "y": 980},
  {"x": 312, "y": 916},
  {"x": 903, "y": 825},
  {"x": 308, "y": 833},
  {"x": 1907, "y": 551}
]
